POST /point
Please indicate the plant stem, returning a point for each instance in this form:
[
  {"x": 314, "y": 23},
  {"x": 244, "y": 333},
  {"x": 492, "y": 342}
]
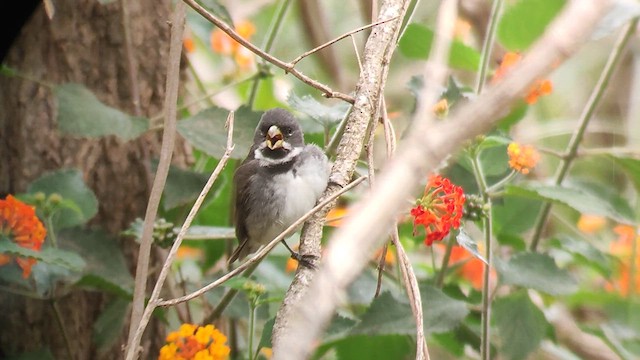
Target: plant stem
[
  {"x": 63, "y": 330},
  {"x": 51, "y": 231},
  {"x": 485, "y": 344},
  {"x": 273, "y": 31},
  {"x": 252, "y": 321},
  {"x": 487, "y": 46},
  {"x": 587, "y": 114},
  {"x": 445, "y": 261}
]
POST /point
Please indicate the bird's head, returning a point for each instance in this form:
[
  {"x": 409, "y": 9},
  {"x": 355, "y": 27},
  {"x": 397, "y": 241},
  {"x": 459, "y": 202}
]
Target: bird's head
[{"x": 278, "y": 135}]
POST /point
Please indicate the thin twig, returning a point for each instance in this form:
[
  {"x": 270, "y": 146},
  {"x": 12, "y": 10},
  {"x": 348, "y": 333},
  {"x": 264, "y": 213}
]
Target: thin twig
[
  {"x": 264, "y": 251},
  {"x": 487, "y": 46},
  {"x": 585, "y": 118},
  {"x": 287, "y": 67},
  {"x": 331, "y": 42},
  {"x": 155, "y": 295},
  {"x": 65, "y": 335},
  {"x": 413, "y": 291},
  {"x": 166, "y": 152}
]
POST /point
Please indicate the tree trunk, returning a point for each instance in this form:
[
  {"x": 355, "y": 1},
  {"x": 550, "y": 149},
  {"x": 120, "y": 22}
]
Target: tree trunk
[{"x": 84, "y": 42}]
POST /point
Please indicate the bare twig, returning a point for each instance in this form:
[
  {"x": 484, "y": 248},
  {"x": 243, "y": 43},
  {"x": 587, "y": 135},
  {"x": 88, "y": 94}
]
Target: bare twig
[
  {"x": 331, "y": 42},
  {"x": 287, "y": 67},
  {"x": 155, "y": 295},
  {"x": 166, "y": 152},
  {"x": 264, "y": 251},
  {"x": 413, "y": 292},
  {"x": 425, "y": 147}
]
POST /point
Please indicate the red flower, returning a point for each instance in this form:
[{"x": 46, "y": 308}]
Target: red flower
[
  {"x": 439, "y": 209},
  {"x": 19, "y": 223}
]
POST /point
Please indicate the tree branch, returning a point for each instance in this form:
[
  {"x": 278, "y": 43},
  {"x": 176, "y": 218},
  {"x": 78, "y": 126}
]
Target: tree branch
[
  {"x": 352, "y": 244},
  {"x": 287, "y": 67},
  {"x": 166, "y": 152}
]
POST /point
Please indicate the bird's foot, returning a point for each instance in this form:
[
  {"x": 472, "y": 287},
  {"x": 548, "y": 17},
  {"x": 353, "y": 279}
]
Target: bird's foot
[{"x": 306, "y": 260}]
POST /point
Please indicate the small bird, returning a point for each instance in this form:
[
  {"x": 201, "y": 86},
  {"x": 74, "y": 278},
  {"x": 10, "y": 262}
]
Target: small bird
[{"x": 278, "y": 182}]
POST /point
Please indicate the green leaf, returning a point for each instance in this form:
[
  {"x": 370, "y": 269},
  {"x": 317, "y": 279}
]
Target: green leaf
[
  {"x": 184, "y": 186},
  {"x": 492, "y": 141},
  {"x": 69, "y": 184},
  {"x": 514, "y": 215},
  {"x": 108, "y": 326},
  {"x": 367, "y": 347},
  {"x": 517, "y": 113},
  {"x": 441, "y": 312},
  {"x": 206, "y": 131},
  {"x": 631, "y": 166},
  {"x": 525, "y": 21},
  {"x": 217, "y": 9},
  {"x": 581, "y": 199},
  {"x": 80, "y": 113},
  {"x": 50, "y": 255},
  {"x": 521, "y": 325},
  {"x": 106, "y": 267},
  {"x": 322, "y": 116},
  {"x": 416, "y": 44},
  {"x": 538, "y": 272},
  {"x": 585, "y": 253}
]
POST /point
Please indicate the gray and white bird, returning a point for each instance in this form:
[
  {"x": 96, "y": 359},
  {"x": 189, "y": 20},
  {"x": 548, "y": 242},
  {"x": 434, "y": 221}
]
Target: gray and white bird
[{"x": 279, "y": 181}]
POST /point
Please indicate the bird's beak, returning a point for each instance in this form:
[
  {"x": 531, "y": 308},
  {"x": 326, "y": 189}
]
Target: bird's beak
[{"x": 275, "y": 139}]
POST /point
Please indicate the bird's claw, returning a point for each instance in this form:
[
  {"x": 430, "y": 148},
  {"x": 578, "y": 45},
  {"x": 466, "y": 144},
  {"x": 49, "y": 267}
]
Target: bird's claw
[{"x": 306, "y": 260}]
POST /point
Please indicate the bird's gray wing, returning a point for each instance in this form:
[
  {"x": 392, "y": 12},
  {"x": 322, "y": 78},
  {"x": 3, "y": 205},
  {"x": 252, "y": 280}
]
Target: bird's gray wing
[{"x": 242, "y": 179}]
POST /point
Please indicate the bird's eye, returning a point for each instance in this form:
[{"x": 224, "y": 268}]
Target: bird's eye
[{"x": 289, "y": 131}]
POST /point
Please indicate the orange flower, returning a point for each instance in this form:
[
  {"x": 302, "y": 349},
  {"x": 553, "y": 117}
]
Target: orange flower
[
  {"x": 189, "y": 44},
  {"x": 335, "y": 216},
  {"x": 441, "y": 108},
  {"x": 195, "y": 342},
  {"x": 471, "y": 268},
  {"x": 439, "y": 209},
  {"x": 19, "y": 223},
  {"x": 225, "y": 45},
  {"x": 389, "y": 257},
  {"x": 538, "y": 89},
  {"x": 622, "y": 249},
  {"x": 522, "y": 158},
  {"x": 591, "y": 224}
]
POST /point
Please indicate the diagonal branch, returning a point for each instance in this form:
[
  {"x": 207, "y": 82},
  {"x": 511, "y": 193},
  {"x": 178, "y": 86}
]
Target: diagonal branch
[
  {"x": 287, "y": 67},
  {"x": 155, "y": 295},
  {"x": 264, "y": 251}
]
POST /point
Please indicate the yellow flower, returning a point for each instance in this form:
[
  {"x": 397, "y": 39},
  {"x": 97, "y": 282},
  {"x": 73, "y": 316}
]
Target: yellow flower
[
  {"x": 191, "y": 342},
  {"x": 19, "y": 223},
  {"x": 522, "y": 158}
]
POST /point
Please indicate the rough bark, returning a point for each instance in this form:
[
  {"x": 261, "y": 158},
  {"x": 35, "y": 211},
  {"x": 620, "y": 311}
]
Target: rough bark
[{"x": 82, "y": 43}]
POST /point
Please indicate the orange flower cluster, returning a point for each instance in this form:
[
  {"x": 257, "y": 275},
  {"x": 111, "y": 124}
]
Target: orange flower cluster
[
  {"x": 538, "y": 89},
  {"x": 621, "y": 248},
  {"x": 19, "y": 223},
  {"x": 439, "y": 209},
  {"x": 195, "y": 342},
  {"x": 522, "y": 158},
  {"x": 225, "y": 45}
]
